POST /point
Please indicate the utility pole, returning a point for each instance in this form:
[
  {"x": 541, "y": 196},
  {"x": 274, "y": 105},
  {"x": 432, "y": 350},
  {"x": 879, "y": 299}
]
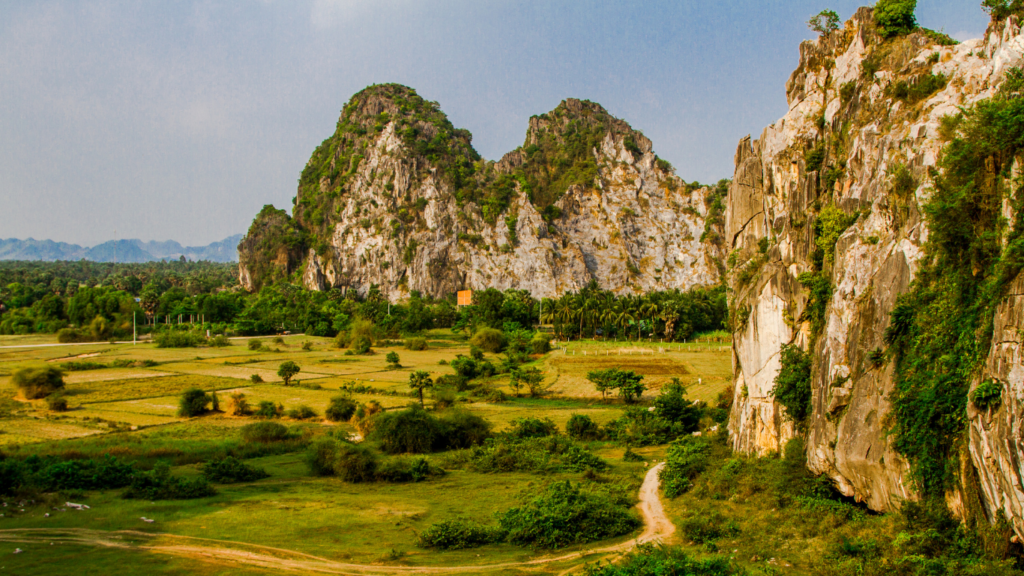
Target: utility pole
[{"x": 134, "y": 333}]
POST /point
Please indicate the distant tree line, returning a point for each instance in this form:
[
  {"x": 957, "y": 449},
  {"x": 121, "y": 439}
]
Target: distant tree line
[{"x": 97, "y": 301}]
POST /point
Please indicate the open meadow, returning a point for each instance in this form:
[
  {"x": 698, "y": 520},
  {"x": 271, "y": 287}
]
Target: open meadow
[{"x": 123, "y": 402}]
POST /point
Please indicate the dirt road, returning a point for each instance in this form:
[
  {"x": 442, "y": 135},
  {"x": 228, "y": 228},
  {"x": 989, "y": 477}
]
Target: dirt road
[{"x": 657, "y": 527}]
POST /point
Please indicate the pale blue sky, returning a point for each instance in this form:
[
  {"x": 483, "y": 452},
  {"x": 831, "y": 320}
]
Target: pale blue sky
[{"x": 179, "y": 120}]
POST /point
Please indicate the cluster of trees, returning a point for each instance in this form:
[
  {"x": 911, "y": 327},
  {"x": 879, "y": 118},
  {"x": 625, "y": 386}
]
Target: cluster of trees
[{"x": 100, "y": 301}]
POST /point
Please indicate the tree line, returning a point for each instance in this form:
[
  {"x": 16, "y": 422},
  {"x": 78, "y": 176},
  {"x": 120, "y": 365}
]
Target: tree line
[{"x": 99, "y": 301}]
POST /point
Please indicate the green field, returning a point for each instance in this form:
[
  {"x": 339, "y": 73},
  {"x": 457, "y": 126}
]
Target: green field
[{"x": 290, "y": 521}]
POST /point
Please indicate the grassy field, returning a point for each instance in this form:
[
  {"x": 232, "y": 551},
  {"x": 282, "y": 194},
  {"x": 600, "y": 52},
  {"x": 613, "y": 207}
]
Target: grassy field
[{"x": 132, "y": 413}]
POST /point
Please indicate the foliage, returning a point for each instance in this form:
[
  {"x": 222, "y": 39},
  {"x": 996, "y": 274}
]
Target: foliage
[
  {"x": 341, "y": 409},
  {"x": 566, "y": 515},
  {"x": 355, "y": 463},
  {"x": 229, "y": 470},
  {"x": 1002, "y": 9},
  {"x": 38, "y": 382},
  {"x": 687, "y": 457},
  {"x": 939, "y": 331},
  {"x": 419, "y": 381},
  {"x": 793, "y": 383},
  {"x": 56, "y": 402},
  {"x": 531, "y": 428},
  {"x": 393, "y": 360},
  {"x": 824, "y": 22},
  {"x": 416, "y": 343},
  {"x": 193, "y": 402},
  {"x": 895, "y": 17},
  {"x": 581, "y": 427},
  {"x": 917, "y": 88},
  {"x": 416, "y": 431},
  {"x": 51, "y": 474},
  {"x": 532, "y": 378},
  {"x": 287, "y": 370},
  {"x": 673, "y": 406},
  {"x": 265, "y": 432},
  {"x": 488, "y": 340},
  {"x": 453, "y": 534},
  {"x": 540, "y": 344},
  {"x": 255, "y": 344},
  {"x": 628, "y": 383},
  {"x": 302, "y": 412},
  {"x": 652, "y": 560},
  {"x": 988, "y": 395},
  {"x": 238, "y": 405},
  {"x": 159, "y": 484},
  {"x": 829, "y": 226}
]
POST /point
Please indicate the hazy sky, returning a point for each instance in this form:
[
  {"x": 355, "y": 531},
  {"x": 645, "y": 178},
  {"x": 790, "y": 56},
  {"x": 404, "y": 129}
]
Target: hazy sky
[{"x": 179, "y": 120}]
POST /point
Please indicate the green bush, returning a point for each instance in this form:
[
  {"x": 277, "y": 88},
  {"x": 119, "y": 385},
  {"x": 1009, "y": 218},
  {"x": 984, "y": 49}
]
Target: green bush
[
  {"x": 566, "y": 515},
  {"x": 159, "y": 484},
  {"x": 454, "y": 534},
  {"x": 895, "y": 17},
  {"x": 267, "y": 409},
  {"x": 321, "y": 455},
  {"x": 793, "y": 383},
  {"x": 403, "y": 469},
  {"x": 416, "y": 343},
  {"x": 193, "y": 403},
  {"x": 393, "y": 360},
  {"x": 219, "y": 341},
  {"x": 540, "y": 344},
  {"x": 341, "y": 409},
  {"x": 581, "y": 427},
  {"x": 361, "y": 345},
  {"x": 256, "y": 379},
  {"x": 57, "y": 403},
  {"x": 707, "y": 525},
  {"x": 673, "y": 405},
  {"x": 531, "y": 428},
  {"x": 687, "y": 457},
  {"x": 178, "y": 339},
  {"x": 652, "y": 560},
  {"x": 488, "y": 340},
  {"x": 255, "y": 344},
  {"x": 265, "y": 431},
  {"x": 988, "y": 395},
  {"x": 416, "y": 431},
  {"x": 229, "y": 470},
  {"x": 302, "y": 412},
  {"x": 72, "y": 335},
  {"x": 355, "y": 463},
  {"x": 40, "y": 382}
]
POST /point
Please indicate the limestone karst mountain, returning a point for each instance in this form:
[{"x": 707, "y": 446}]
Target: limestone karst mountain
[
  {"x": 828, "y": 225},
  {"x": 397, "y": 197}
]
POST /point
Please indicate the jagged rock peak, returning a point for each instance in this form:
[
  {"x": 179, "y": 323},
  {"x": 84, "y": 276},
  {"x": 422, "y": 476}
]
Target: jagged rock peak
[
  {"x": 271, "y": 250},
  {"x": 398, "y": 198}
]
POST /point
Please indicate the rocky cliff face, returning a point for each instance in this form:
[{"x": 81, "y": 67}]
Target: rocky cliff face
[
  {"x": 825, "y": 229},
  {"x": 397, "y": 197}
]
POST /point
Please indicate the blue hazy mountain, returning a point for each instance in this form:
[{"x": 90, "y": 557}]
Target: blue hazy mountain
[{"x": 118, "y": 250}]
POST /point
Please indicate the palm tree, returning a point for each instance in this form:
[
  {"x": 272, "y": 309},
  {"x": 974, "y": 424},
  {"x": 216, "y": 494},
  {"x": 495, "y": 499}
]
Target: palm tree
[
  {"x": 564, "y": 311},
  {"x": 419, "y": 381}
]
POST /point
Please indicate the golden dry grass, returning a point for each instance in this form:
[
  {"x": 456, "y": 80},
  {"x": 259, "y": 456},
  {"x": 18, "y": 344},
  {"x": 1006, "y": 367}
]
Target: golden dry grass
[{"x": 24, "y": 430}]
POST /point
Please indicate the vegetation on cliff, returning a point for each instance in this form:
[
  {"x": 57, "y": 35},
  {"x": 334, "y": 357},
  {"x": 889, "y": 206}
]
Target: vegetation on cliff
[{"x": 940, "y": 331}]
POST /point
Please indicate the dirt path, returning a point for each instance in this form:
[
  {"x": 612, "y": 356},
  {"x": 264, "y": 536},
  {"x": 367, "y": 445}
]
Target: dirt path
[{"x": 657, "y": 527}]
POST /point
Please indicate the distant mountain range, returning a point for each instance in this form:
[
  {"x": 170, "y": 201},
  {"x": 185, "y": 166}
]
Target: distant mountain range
[{"x": 119, "y": 250}]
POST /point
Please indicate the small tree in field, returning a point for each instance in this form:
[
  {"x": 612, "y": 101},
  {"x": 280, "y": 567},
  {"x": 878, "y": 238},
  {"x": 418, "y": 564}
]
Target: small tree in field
[
  {"x": 532, "y": 378},
  {"x": 287, "y": 371},
  {"x": 193, "y": 402},
  {"x": 420, "y": 381},
  {"x": 34, "y": 383},
  {"x": 825, "y": 22},
  {"x": 393, "y": 360}
]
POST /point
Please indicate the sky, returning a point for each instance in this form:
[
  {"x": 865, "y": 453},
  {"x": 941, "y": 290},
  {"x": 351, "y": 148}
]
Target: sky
[{"x": 180, "y": 120}]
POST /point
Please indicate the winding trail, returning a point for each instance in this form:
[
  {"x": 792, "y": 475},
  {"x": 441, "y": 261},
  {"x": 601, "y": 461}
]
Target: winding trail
[{"x": 657, "y": 527}]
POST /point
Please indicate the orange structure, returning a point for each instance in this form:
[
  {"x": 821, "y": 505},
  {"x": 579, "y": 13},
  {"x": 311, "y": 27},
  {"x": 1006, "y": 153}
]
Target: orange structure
[{"x": 465, "y": 297}]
